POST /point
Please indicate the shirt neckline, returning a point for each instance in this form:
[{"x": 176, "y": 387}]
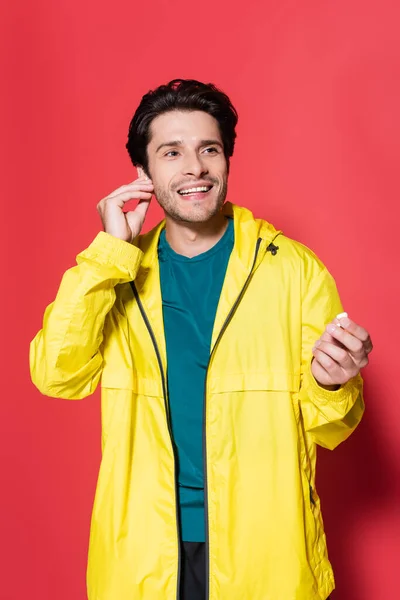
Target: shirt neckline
[{"x": 165, "y": 251}]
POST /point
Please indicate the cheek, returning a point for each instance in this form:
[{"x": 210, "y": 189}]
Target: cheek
[
  {"x": 222, "y": 170},
  {"x": 163, "y": 176}
]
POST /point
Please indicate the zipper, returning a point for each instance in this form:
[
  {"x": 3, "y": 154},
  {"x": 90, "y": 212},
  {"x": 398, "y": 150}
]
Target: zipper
[
  {"x": 165, "y": 394},
  {"x": 311, "y": 494},
  {"x": 223, "y": 328}
]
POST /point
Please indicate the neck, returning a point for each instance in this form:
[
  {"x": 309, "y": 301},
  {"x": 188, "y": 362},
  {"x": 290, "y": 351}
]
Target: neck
[{"x": 191, "y": 239}]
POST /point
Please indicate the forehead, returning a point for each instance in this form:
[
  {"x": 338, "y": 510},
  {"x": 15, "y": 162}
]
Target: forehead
[{"x": 183, "y": 125}]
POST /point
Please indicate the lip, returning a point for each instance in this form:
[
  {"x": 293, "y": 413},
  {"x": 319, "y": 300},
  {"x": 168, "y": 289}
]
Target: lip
[
  {"x": 195, "y": 195},
  {"x": 194, "y": 185}
]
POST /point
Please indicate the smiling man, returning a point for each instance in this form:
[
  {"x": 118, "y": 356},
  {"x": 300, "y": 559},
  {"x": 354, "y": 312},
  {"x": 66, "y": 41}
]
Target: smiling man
[{"x": 222, "y": 365}]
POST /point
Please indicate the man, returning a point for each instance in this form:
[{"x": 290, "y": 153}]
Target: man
[{"x": 222, "y": 365}]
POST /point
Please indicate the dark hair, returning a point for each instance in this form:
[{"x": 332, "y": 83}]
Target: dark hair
[{"x": 180, "y": 94}]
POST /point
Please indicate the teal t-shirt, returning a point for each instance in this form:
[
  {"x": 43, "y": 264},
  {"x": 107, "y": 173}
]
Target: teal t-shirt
[{"x": 190, "y": 289}]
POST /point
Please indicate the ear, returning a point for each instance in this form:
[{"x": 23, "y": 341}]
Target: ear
[{"x": 141, "y": 173}]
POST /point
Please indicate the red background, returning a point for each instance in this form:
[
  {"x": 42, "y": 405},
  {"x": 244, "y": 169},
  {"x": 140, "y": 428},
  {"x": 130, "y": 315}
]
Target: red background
[{"x": 316, "y": 85}]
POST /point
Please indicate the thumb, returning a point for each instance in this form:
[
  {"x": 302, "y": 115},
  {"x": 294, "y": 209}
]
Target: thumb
[{"x": 136, "y": 217}]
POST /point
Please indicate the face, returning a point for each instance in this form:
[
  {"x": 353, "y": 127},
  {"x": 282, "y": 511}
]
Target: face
[{"x": 187, "y": 165}]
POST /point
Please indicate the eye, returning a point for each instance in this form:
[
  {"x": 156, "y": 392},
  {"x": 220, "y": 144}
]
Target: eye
[
  {"x": 211, "y": 150},
  {"x": 171, "y": 153}
]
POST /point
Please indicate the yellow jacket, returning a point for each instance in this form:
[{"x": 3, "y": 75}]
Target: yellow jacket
[{"x": 264, "y": 415}]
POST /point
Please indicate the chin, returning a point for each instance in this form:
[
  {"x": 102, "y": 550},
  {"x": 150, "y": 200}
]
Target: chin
[
  {"x": 197, "y": 212},
  {"x": 185, "y": 211}
]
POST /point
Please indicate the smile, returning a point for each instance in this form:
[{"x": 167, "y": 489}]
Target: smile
[{"x": 195, "y": 190}]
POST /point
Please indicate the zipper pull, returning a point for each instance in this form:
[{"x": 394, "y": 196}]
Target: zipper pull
[{"x": 273, "y": 249}]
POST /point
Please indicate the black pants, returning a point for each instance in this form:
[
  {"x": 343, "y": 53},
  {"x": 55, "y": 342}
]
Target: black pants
[{"x": 193, "y": 571}]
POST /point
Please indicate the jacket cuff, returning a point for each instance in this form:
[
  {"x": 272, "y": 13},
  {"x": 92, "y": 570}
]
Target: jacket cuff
[
  {"x": 108, "y": 250},
  {"x": 323, "y": 396}
]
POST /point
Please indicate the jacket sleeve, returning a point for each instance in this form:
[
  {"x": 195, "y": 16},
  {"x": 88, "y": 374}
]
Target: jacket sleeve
[
  {"x": 65, "y": 355},
  {"x": 329, "y": 416}
]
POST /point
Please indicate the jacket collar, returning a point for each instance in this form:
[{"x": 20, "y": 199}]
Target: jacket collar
[
  {"x": 247, "y": 230},
  {"x": 246, "y": 254}
]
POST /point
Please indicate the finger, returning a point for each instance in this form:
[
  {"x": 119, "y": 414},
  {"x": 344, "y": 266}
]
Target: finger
[
  {"x": 360, "y": 362},
  {"x": 326, "y": 337},
  {"x": 137, "y": 216},
  {"x": 140, "y": 210},
  {"x": 336, "y": 373},
  {"x": 337, "y": 353},
  {"x": 142, "y": 178},
  {"x": 355, "y": 330},
  {"x": 141, "y": 181},
  {"x": 349, "y": 341},
  {"x": 359, "y": 358},
  {"x": 320, "y": 374},
  {"x": 124, "y": 197},
  {"x": 134, "y": 185}
]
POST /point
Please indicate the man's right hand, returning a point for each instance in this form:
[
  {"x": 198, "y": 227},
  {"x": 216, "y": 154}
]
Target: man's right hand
[{"x": 126, "y": 225}]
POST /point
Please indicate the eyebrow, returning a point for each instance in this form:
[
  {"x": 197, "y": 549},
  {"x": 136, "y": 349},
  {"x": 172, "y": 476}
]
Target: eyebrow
[{"x": 180, "y": 143}]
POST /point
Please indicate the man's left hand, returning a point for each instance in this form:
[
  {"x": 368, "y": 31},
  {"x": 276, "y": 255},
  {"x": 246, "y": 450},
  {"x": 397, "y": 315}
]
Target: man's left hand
[{"x": 340, "y": 353}]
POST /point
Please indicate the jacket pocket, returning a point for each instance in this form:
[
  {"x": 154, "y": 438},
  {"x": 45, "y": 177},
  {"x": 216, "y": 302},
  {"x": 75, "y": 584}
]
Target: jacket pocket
[
  {"x": 126, "y": 379},
  {"x": 277, "y": 381},
  {"x": 121, "y": 391}
]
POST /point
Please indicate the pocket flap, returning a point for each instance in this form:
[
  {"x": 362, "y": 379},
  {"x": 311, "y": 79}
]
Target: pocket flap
[
  {"x": 129, "y": 380},
  {"x": 269, "y": 380}
]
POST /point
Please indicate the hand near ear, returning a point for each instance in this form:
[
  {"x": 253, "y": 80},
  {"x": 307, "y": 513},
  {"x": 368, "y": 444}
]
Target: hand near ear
[{"x": 126, "y": 225}]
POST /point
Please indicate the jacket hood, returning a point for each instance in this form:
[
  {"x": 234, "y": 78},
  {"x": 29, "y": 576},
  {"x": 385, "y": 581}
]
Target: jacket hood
[
  {"x": 248, "y": 225},
  {"x": 248, "y": 230}
]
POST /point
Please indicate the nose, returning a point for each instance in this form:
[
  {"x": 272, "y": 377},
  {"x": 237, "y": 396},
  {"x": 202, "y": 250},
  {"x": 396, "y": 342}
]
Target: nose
[{"x": 194, "y": 166}]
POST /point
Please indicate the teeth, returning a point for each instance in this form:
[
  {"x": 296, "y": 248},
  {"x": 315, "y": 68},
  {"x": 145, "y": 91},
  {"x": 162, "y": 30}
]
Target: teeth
[{"x": 195, "y": 190}]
